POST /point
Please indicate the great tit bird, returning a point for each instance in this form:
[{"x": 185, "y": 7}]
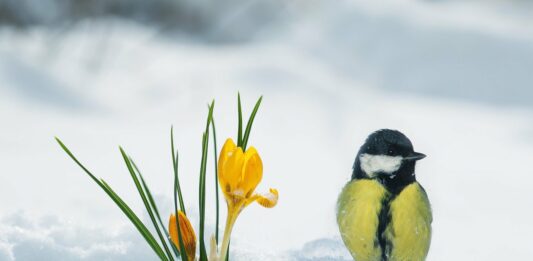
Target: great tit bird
[{"x": 383, "y": 213}]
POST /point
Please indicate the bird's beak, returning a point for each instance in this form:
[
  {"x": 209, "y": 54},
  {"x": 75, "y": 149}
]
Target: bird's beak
[{"x": 415, "y": 156}]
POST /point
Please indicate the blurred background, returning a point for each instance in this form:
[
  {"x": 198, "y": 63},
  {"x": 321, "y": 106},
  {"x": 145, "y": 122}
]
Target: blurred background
[{"x": 454, "y": 76}]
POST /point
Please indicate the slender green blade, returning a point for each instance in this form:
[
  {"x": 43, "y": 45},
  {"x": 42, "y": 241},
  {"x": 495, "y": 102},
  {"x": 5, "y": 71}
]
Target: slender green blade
[
  {"x": 136, "y": 221},
  {"x": 201, "y": 190},
  {"x": 77, "y": 161},
  {"x": 239, "y": 134},
  {"x": 203, "y": 167},
  {"x": 177, "y": 191},
  {"x": 145, "y": 202},
  {"x": 148, "y": 237},
  {"x": 154, "y": 208},
  {"x": 216, "y": 177},
  {"x": 250, "y": 123},
  {"x": 177, "y": 187}
]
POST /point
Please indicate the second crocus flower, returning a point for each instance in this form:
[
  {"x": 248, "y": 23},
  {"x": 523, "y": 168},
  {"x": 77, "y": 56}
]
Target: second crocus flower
[{"x": 187, "y": 234}]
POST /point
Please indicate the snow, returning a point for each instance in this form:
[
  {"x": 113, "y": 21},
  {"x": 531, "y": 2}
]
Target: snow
[{"x": 460, "y": 90}]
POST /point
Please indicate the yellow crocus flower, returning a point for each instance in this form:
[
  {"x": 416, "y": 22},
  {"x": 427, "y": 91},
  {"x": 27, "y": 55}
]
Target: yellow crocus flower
[
  {"x": 187, "y": 234},
  {"x": 239, "y": 173}
]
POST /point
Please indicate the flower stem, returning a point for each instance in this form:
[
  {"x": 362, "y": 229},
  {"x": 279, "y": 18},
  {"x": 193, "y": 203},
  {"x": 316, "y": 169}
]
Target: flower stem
[{"x": 230, "y": 221}]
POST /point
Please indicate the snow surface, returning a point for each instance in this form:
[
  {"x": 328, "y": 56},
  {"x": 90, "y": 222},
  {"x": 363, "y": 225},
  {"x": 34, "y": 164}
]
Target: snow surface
[{"x": 453, "y": 77}]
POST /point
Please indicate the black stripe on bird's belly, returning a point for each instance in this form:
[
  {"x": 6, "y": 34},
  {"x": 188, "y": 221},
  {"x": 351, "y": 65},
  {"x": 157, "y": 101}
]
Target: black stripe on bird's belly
[
  {"x": 395, "y": 185},
  {"x": 384, "y": 220}
]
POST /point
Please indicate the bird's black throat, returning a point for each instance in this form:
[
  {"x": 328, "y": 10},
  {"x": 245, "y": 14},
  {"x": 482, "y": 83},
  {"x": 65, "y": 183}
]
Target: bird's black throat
[{"x": 396, "y": 183}]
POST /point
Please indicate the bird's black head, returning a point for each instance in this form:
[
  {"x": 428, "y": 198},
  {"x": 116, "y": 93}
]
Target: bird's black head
[{"x": 387, "y": 155}]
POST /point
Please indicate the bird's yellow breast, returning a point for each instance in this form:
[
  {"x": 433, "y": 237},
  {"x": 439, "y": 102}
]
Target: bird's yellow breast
[
  {"x": 358, "y": 211},
  {"x": 409, "y": 231},
  {"x": 408, "y": 226}
]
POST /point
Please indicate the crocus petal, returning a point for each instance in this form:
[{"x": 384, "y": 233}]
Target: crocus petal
[
  {"x": 229, "y": 145},
  {"x": 269, "y": 200},
  {"x": 230, "y": 166},
  {"x": 252, "y": 173},
  {"x": 233, "y": 168},
  {"x": 187, "y": 234}
]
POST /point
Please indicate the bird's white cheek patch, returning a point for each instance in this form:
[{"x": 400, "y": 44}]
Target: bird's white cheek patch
[{"x": 373, "y": 164}]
